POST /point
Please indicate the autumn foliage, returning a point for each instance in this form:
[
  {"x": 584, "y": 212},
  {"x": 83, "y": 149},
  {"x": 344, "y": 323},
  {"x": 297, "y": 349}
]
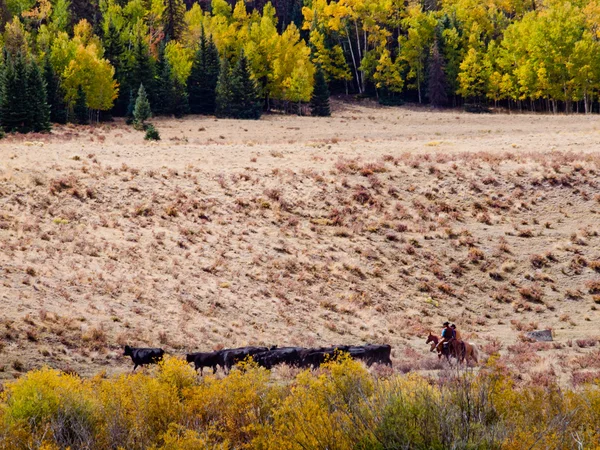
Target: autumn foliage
[{"x": 341, "y": 406}]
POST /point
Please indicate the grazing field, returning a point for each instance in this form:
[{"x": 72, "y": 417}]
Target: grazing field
[{"x": 373, "y": 226}]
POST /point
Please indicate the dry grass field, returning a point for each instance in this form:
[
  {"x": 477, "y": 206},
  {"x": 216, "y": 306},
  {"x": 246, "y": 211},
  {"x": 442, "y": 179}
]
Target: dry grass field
[{"x": 374, "y": 225}]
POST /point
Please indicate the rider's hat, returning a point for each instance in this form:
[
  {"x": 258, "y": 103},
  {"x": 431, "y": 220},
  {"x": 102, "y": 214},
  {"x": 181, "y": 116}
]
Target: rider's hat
[{"x": 445, "y": 324}]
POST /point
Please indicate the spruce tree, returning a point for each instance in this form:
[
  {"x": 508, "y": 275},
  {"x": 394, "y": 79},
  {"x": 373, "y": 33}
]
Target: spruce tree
[
  {"x": 54, "y": 94},
  {"x": 80, "y": 110},
  {"x": 130, "y": 107},
  {"x": 202, "y": 83},
  {"x": 15, "y": 111},
  {"x": 114, "y": 51},
  {"x": 180, "y": 105},
  {"x": 142, "y": 111},
  {"x": 245, "y": 102},
  {"x": 319, "y": 103},
  {"x": 36, "y": 99},
  {"x": 224, "y": 93},
  {"x": 174, "y": 20},
  {"x": 141, "y": 69},
  {"x": 437, "y": 79}
]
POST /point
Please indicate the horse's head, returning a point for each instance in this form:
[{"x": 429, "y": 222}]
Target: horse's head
[{"x": 431, "y": 338}]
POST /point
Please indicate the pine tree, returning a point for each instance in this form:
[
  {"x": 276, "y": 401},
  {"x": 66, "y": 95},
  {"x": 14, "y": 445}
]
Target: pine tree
[
  {"x": 36, "y": 99},
  {"x": 245, "y": 102},
  {"x": 437, "y": 79},
  {"x": 202, "y": 83},
  {"x": 173, "y": 17},
  {"x": 319, "y": 103},
  {"x": 114, "y": 52},
  {"x": 80, "y": 110},
  {"x": 54, "y": 94},
  {"x": 141, "y": 70},
  {"x": 130, "y": 107},
  {"x": 142, "y": 111},
  {"x": 224, "y": 93},
  {"x": 14, "y": 111},
  {"x": 163, "y": 104},
  {"x": 180, "y": 105}
]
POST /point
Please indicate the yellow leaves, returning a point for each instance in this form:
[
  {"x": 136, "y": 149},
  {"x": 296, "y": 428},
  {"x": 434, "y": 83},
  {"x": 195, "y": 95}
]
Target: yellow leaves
[
  {"x": 340, "y": 406},
  {"x": 94, "y": 75},
  {"x": 176, "y": 372},
  {"x": 181, "y": 59}
]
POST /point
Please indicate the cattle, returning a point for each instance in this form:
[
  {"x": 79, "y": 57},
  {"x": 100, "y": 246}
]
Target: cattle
[
  {"x": 372, "y": 354},
  {"x": 232, "y": 356},
  {"x": 202, "y": 360},
  {"x": 292, "y": 356},
  {"x": 143, "y": 356}
]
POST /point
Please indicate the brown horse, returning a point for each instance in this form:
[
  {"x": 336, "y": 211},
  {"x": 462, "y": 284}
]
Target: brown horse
[{"x": 460, "y": 350}]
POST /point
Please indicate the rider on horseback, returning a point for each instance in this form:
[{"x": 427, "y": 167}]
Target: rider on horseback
[{"x": 448, "y": 334}]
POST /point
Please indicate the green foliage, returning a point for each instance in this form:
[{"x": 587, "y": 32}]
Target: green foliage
[
  {"x": 319, "y": 103},
  {"x": 152, "y": 133},
  {"x": 142, "y": 111},
  {"x": 80, "y": 109},
  {"x": 173, "y": 16},
  {"x": 436, "y": 88},
  {"x": 54, "y": 94},
  {"x": 202, "y": 83},
  {"x": 237, "y": 95},
  {"x": 36, "y": 100},
  {"x": 14, "y": 111}
]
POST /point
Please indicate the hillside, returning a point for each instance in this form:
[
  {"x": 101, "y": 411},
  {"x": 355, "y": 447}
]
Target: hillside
[{"x": 371, "y": 226}]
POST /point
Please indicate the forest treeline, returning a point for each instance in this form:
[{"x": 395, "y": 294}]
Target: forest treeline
[
  {"x": 340, "y": 407},
  {"x": 533, "y": 54}
]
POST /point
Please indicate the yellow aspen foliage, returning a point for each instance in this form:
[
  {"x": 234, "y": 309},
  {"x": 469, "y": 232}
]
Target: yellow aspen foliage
[
  {"x": 180, "y": 58},
  {"x": 95, "y": 75}
]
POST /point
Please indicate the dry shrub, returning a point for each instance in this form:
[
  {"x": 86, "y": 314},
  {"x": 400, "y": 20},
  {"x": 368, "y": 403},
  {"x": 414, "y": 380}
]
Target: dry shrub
[{"x": 532, "y": 293}]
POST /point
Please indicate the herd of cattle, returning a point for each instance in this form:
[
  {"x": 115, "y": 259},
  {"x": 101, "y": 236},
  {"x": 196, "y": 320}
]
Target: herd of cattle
[{"x": 268, "y": 358}]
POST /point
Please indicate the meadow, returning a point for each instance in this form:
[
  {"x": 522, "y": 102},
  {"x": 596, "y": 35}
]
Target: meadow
[{"x": 375, "y": 225}]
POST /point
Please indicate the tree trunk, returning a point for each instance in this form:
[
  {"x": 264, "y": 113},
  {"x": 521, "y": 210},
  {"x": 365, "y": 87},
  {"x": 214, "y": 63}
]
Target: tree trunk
[{"x": 354, "y": 62}]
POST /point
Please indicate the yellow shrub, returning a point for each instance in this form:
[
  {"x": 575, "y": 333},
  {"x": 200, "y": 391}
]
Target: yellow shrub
[
  {"x": 48, "y": 402},
  {"x": 325, "y": 411},
  {"x": 180, "y": 438},
  {"x": 176, "y": 372},
  {"x": 136, "y": 410},
  {"x": 235, "y": 409}
]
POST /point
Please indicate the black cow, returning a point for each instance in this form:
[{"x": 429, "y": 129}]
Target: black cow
[
  {"x": 234, "y": 355},
  {"x": 202, "y": 360},
  {"x": 292, "y": 356},
  {"x": 372, "y": 354},
  {"x": 143, "y": 356}
]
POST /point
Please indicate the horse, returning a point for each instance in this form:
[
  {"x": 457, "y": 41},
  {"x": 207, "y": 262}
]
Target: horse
[{"x": 460, "y": 350}]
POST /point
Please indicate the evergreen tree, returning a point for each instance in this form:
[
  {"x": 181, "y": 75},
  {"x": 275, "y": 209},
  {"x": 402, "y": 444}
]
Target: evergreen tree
[
  {"x": 202, "y": 83},
  {"x": 180, "y": 105},
  {"x": 85, "y": 9},
  {"x": 80, "y": 110},
  {"x": 238, "y": 94},
  {"x": 130, "y": 107},
  {"x": 173, "y": 17},
  {"x": 141, "y": 69},
  {"x": 437, "y": 79},
  {"x": 114, "y": 51},
  {"x": 36, "y": 100},
  {"x": 54, "y": 94},
  {"x": 224, "y": 93},
  {"x": 15, "y": 111},
  {"x": 319, "y": 103},
  {"x": 142, "y": 111}
]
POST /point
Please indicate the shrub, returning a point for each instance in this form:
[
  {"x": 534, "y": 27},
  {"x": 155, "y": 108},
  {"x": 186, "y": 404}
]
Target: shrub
[{"x": 152, "y": 133}]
